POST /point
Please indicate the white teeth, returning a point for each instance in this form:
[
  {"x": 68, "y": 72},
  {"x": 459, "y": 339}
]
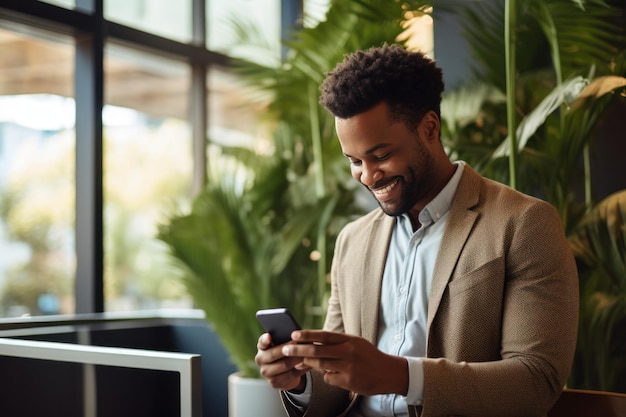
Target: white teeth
[{"x": 385, "y": 189}]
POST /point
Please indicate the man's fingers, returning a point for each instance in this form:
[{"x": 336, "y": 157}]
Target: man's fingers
[
  {"x": 314, "y": 356},
  {"x": 264, "y": 342},
  {"x": 301, "y": 366},
  {"x": 286, "y": 380},
  {"x": 319, "y": 336},
  {"x": 282, "y": 366},
  {"x": 326, "y": 365},
  {"x": 317, "y": 344}
]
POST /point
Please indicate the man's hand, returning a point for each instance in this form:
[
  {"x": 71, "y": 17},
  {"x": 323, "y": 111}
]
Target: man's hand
[
  {"x": 349, "y": 362},
  {"x": 285, "y": 373}
]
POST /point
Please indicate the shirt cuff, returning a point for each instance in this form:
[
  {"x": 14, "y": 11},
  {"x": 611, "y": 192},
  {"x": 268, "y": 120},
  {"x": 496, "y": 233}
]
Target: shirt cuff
[{"x": 415, "y": 393}]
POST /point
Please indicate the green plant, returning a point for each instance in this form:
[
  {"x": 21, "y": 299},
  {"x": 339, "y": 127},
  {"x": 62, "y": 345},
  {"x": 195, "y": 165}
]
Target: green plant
[
  {"x": 564, "y": 66},
  {"x": 244, "y": 246},
  {"x": 547, "y": 132}
]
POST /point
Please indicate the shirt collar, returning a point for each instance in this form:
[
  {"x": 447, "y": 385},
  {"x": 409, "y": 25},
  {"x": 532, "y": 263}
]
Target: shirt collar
[{"x": 440, "y": 205}]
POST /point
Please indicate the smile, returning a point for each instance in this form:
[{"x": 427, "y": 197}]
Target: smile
[{"x": 385, "y": 189}]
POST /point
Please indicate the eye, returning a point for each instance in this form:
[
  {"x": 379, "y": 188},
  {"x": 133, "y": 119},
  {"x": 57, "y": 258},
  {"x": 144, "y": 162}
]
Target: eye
[
  {"x": 354, "y": 162},
  {"x": 382, "y": 157}
]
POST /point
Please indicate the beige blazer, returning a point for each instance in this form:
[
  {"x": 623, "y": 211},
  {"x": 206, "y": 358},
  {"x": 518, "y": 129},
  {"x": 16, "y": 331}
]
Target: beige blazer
[{"x": 503, "y": 309}]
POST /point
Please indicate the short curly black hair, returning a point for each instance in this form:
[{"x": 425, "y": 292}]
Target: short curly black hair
[{"x": 409, "y": 82}]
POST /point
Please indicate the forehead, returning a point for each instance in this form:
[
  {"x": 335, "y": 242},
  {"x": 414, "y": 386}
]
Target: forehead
[{"x": 369, "y": 129}]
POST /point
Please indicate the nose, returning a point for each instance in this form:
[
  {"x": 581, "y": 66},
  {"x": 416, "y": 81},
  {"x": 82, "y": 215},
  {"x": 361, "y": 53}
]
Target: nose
[{"x": 368, "y": 174}]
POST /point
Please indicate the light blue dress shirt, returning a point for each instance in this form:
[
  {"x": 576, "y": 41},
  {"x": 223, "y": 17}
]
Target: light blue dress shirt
[
  {"x": 406, "y": 285},
  {"x": 404, "y": 301}
]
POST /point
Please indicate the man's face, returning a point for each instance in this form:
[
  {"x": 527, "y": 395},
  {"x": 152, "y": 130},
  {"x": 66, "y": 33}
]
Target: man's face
[{"x": 388, "y": 158}]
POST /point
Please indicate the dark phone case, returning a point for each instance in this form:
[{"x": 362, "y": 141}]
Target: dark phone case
[{"x": 279, "y": 323}]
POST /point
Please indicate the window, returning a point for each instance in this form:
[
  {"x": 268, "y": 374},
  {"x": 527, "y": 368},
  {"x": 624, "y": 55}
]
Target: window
[
  {"x": 259, "y": 19},
  {"x": 80, "y": 197},
  {"x": 170, "y": 19}
]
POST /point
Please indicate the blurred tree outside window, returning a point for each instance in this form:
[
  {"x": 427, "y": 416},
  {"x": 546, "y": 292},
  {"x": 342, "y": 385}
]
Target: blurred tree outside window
[{"x": 37, "y": 150}]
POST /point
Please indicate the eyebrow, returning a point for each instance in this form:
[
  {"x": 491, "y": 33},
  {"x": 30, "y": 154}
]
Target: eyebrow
[{"x": 372, "y": 150}]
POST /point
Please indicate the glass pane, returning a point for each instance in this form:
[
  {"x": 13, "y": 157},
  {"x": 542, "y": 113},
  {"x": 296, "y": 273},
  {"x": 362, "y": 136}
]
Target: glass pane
[
  {"x": 260, "y": 20},
  {"x": 167, "y": 18},
  {"x": 232, "y": 116},
  {"x": 37, "y": 152},
  {"x": 147, "y": 174}
]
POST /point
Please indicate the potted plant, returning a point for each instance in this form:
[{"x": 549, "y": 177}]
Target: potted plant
[{"x": 245, "y": 245}]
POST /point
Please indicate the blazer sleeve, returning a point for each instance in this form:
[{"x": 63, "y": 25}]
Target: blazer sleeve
[{"x": 527, "y": 287}]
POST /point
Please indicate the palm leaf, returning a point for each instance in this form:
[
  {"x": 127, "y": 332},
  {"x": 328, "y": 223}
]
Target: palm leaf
[
  {"x": 564, "y": 94},
  {"x": 599, "y": 244}
]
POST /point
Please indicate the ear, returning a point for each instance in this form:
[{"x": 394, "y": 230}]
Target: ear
[{"x": 430, "y": 126}]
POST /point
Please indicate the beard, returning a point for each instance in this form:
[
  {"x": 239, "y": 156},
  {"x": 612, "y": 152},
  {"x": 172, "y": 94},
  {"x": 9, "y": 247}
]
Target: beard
[
  {"x": 408, "y": 197},
  {"x": 414, "y": 184}
]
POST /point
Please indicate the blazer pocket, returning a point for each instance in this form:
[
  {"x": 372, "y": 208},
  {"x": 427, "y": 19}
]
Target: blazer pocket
[{"x": 490, "y": 273}]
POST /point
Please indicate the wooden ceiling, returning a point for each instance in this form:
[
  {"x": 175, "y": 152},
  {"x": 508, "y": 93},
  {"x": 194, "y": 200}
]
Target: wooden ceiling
[{"x": 36, "y": 63}]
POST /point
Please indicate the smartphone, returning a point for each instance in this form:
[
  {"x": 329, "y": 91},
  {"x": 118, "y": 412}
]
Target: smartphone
[{"x": 279, "y": 323}]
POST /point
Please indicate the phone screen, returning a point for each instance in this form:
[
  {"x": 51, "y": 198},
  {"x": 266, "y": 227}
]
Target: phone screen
[{"x": 279, "y": 323}]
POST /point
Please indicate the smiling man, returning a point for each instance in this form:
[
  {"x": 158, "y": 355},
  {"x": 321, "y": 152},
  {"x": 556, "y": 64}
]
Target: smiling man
[
  {"x": 458, "y": 297},
  {"x": 403, "y": 168}
]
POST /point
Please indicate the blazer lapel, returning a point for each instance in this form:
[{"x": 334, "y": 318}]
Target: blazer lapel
[
  {"x": 374, "y": 267},
  {"x": 459, "y": 224}
]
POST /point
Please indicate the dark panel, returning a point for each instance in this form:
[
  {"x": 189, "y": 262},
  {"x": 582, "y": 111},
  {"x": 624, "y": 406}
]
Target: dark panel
[
  {"x": 34, "y": 388},
  {"x": 137, "y": 392}
]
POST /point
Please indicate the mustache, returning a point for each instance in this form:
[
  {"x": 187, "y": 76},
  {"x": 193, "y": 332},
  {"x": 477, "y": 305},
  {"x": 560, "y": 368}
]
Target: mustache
[{"x": 383, "y": 183}]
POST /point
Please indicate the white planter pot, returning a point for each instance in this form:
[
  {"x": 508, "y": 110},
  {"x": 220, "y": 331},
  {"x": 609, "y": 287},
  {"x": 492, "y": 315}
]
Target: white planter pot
[{"x": 252, "y": 397}]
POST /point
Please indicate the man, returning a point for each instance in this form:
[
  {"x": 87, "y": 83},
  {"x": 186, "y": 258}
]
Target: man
[{"x": 459, "y": 296}]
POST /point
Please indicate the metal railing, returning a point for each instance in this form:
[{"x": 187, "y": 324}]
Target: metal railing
[{"x": 187, "y": 365}]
